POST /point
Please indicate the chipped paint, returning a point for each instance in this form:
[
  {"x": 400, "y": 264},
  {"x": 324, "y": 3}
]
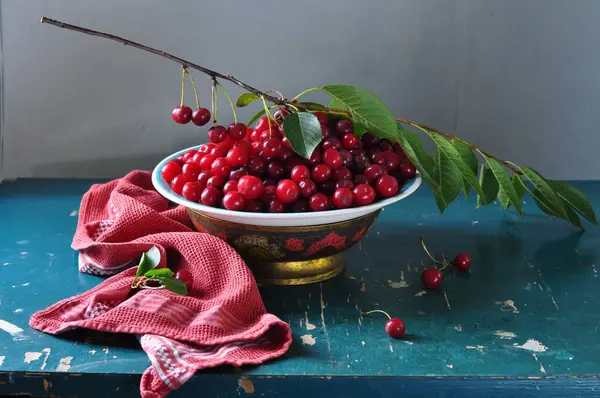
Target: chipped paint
[
  {"x": 396, "y": 285},
  {"x": 447, "y": 301},
  {"x": 308, "y": 339},
  {"x": 10, "y": 328},
  {"x": 47, "y": 385},
  {"x": 363, "y": 343},
  {"x": 106, "y": 350},
  {"x": 246, "y": 385},
  {"x": 474, "y": 222},
  {"x": 309, "y": 326},
  {"x": 24, "y": 253},
  {"x": 322, "y": 302},
  {"x": 507, "y": 306},
  {"x": 64, "y": 364},
  {"x": 528, "y": 287},
  {"x": 449, "y": 365},
  {"x": 421, "y": 293},
  {"x": 363, "y": 288},
  {"x": 47, "y": 351},
  {"x": 505, "y": 335},
  {"x": 532, "y": 345},
  {"x": 478, "y": 348},
  {"x": 25, "y": 284},
  {"x": 73, "y": 213},
  {"x": 18, "y": 310},
  {"x": 2, "y": 358},
  {"x": 22, "y": 242},
  {"x": 391, "y": 348},
  {"x": 594, "y": 269},
  {"x": 458, "y": 328},
  {"x": 92, "y": 352},
  {"x": 32, "y": 356}
]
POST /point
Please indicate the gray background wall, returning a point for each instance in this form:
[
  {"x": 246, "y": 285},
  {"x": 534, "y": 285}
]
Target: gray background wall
[{"x": 519, "y": 78}]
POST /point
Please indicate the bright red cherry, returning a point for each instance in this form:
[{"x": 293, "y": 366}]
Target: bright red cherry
[
  {"x": 343, "y": 173},
  {"x": 342, "y": 198},
  {"x": 243, "y": 145},
  {"x": 230, "y": 186},
  {"x": 322, "y": 117},
  {"x": 462, "y": 261},
  {"x": 234, "y": 201},
  {"x": 364, "y": 194},
  {"x": 237, "y": 157},
  {"x": 169, "y": 171},
  {"x": 344, "y": 126},
  {"x": 197, "y": 157},
  {"x": 263, "y": 124},
  {"x": 203, "y": 178},
  {"x": 205, "y": 148},
  {"x": 220, "y": 168},
  {"x": 318, "y": 202},
  {"x": 207, "y": 161},
  {"x": 431, "y": 278},
  {"x": 344, "y": 184},
  {"x": 331, "y": 142},
  {"x": 186, "y": 277},
  {"x": 237, "y": 131},
  {"x": 250, "y": 186},
  {"x": 275, "y": 169},
  {"x": 287, "y": 191},
  {"x": 349, "y": 141},
  {"x": 386, "y": 186},
  {"x": 395, "y": 328},
  {"x": 299, "y": 173},
  {"x": 191, "y": 191},
  {"x": 201, "y": 116},
  {"x": 307, "y": 188},
  {"x": 189, "y": 155},
  {"x": 178, "y": 183},
  {"x": 407, "y": 170},
  {"x": 236, "y": 174},
  {"x": 315, "y": 157},
  {"x": 271, "y": 147},
  {"x": 217, "y": 134},
  {"x": 191, "y": 171},
  {"x": 320, "y": 173},
  {"x": 210, "y": 196},
  {"x": 373, "y": 172},
  {"x": 332, "y": 158},
  {"x": 219, "y": 151},
  {"x": 255, "y": 135},
  {"x": 182, "y": 114},
  {"x": 275, "y": 206}
]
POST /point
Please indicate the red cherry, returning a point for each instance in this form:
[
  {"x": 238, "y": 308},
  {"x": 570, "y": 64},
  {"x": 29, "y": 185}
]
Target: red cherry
[
  {"x": 256, "y": 166},
  {"x": 182, "y": 114},
  {"x": 250, "y": 186},
  {"x": 271, "y": 147},
  {"x": 307, "y": 188},
  {"x": 377, "y": 158},
  {"x": 169, "y": 171},
  {"x": 179, "y": 160},
  {"x": 207, "y": 161},
  {"x": 395, "y": 328},
  {"x": 237, "y": 157},
  {"x": 347, "y": 157},
  {"x": 197, "y": 157},
  {"x": 219, "y": 151},
  {"x": 281, "y": 114},
  {"x": 320, "y": 173},
  {"x": 344, "y": 184},
  {"x": 205, "y": 148},
  {"x": 331, "y": 142},
  {"x": 230, "y": 186},
  {"x": 178, "y": 183},
  {"x": 243, "y": 145},
  {"x": 191, "y": 171},
  {"x": 360, "y": 179},
  {"x": 364, "y": 194},
  {"x": 287, "y": 191},
  {"x": 191, "y": 191},
  {"x": 268, "y": 194},
  {"x": 220, "y": 168},
  {"x": 386, "y": 186},
  {"x": 210, "y": 196},
  {"x": 255, "y": 148},
  {"x": 407, "y": 170},
  {"x": 349, "y": 141},
  {"x": 322, "y": 117},
  {"x": 315, "y": 157},
  {"x": 373, "y": 172},
  {"x": 216, "y": 181},
  {"x": 332, "y": 158},
  {"x": 318, "y": 202},
  {"x": 263, "y": 124},
  {"x": 267, "y": 135},
  {"x": 343, "y": 173},
  {"x": 217, "y": 134},
  {"x": 188, "y": 155},
  {"x": 186, "y": 277},
  {"x": 327, "y": 187},
  {"x": 370, "y": 140},
  {"x": 255, "y": 135},
  {"x": 203, "y": 178},
  {"x": 236, "y": 131},
  {"x": 300, "y": 206},
  {"x": 201, "y": 116},
  {"x": 275, "y": 169},
  {"x": 342, "y": 198},
  {"x": 253, "y": 206},
  {"x": 236, "y": 174},
  {"x": 392, "y": 160},
  {"x": 234, "y": 201},
  {"x": 462, "y": 261},
  {"x": 431, "y": 278},
  {"x": 325, "y": 131},
  {"x": 299, "y": 173},
  {"x": 275, "y": 206},
  {"x": 344, "y": 126}
]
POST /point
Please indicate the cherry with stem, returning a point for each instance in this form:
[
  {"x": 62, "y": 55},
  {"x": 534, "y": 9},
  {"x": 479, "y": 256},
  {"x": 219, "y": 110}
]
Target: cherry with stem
[{"x": 394, "y": 327}]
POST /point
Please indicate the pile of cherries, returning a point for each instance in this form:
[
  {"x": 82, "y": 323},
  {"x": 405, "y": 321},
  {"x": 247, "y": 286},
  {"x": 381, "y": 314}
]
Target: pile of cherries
[{"x": 256, "y": 170}]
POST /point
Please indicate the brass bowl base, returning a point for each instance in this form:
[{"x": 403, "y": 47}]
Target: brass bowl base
[{"x": 298, "y": 272}]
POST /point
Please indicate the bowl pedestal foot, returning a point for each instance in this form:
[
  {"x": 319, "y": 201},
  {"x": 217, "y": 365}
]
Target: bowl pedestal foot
[{"x": 298, "y": 272}]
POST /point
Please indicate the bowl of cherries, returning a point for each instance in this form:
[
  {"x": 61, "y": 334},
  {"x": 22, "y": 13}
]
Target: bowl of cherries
[{"x": 289, "y": 217}]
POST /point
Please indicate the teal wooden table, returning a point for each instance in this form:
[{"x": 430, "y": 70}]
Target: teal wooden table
[{"x": 525, "y": 322}]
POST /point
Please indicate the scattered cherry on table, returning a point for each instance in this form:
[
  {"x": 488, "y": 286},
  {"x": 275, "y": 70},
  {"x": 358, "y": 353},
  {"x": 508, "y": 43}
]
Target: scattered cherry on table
[{"x": 394, "y": 327}]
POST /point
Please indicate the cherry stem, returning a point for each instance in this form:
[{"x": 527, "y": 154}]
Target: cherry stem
[
  {"x": 214, "y": 106},
  {"x": 428, "y": 253},
  {"x": 193, "y": 86},
  {"x": 182, "y": 86},
  {"x": 265, "y": 96},
  {"x": 372, "y": 311},
  {"x": 235, "y": 118}
]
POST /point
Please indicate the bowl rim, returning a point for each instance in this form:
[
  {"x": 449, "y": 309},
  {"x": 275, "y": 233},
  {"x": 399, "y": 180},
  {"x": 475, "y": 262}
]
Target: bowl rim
[{"x": 165, "y": 190}]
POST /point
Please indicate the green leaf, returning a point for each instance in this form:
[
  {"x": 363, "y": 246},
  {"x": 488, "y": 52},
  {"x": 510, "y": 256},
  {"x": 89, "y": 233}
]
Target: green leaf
[
  {"x": 519, "y": 187},
  {"x": 366, "y": 109},
  {"x": 159, "y": 272},
  {"x": 547, "y": 195},
  {"x": 245, "y": 99},
  {"x": 467, "y": 155},
  {"x": 359, "y": 130},
  {"x": 571, "y": 217},
  {"x": 413, "y": 148},
  {"x": 171, "y": 284},
  {"x": 303, "y": 131},
  {"x": 149, "y": 260},
  {"x": 448, "y": 179},
  {"x": 575, "y": 199},
  {"x": 464, "y": 168},
  {"x": 256, "y": 117},
  {"x": 489, "y": 185},
  {"x": 505, "y": 186}
]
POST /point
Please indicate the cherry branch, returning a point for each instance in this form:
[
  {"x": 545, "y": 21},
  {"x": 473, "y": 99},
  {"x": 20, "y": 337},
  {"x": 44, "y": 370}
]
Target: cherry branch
[{"x": 278, "y": 101}]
